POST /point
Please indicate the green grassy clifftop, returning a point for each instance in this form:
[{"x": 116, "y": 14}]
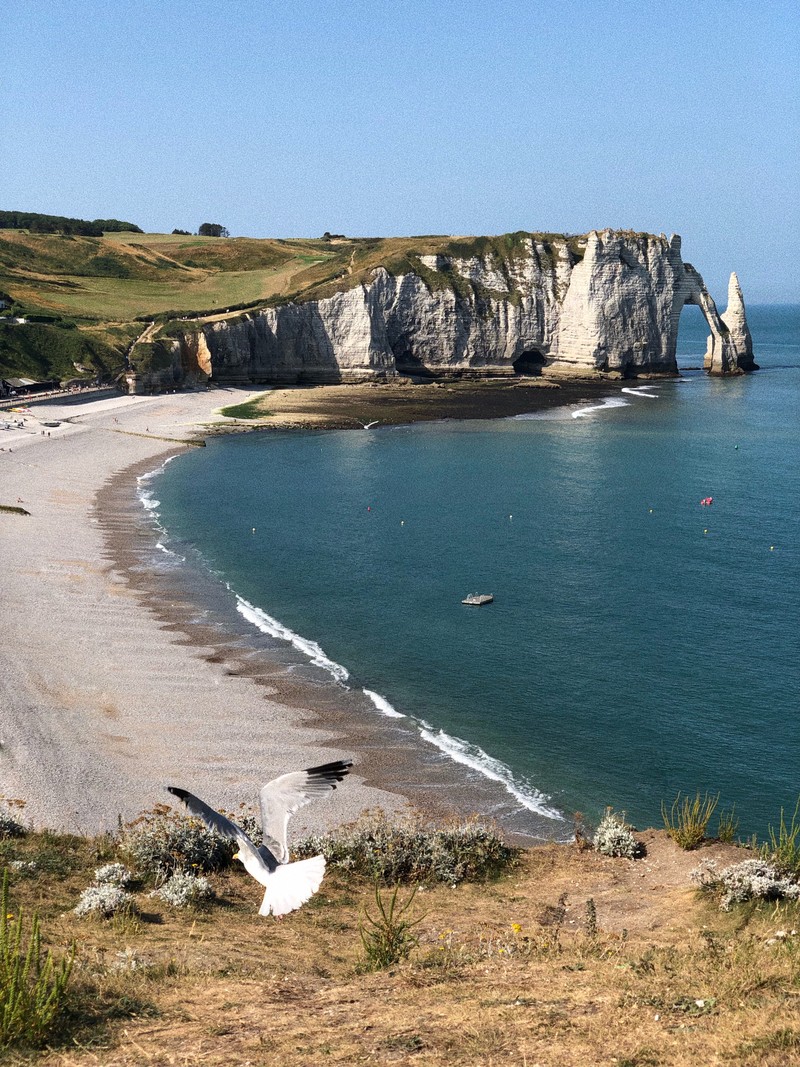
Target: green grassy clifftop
[{"x": 85, "y": 299}]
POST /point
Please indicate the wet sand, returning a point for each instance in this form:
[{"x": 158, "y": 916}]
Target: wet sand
[
  {"x": 116, "y": 679},
  {"x": 386, "y": 404}
]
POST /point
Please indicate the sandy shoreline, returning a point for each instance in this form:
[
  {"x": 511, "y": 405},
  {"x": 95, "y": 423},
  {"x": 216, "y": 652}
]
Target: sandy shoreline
[{"x": 112, "y": 685}]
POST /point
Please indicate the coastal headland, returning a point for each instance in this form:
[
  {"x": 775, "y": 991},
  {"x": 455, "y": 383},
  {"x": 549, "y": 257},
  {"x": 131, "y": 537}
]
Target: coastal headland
[
  {"x": 115, "y": 684},
  {"x": 155, "y": 312}
]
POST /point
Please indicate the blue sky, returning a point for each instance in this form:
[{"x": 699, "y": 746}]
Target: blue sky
[{"x": 418, "y": 116}]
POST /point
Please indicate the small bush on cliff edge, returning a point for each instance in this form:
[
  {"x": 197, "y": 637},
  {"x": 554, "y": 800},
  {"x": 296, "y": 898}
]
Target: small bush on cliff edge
[
  {"x": 752, "y": 879},
  {"x": 614, "y": 837},
  {"x": 783, "y": 848},
  {"x": 161, "y": 842},
  {"x": 387, "y": 936},
  {"x": 397, "y": 852},
  {"x": 687, "y": 820}
]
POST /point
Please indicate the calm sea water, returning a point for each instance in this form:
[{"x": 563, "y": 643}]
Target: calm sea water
[{"x": 639, "y": 643}]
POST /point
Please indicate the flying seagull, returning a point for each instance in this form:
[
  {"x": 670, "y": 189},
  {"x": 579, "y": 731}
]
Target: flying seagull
[{"x": 287, "y": 885}]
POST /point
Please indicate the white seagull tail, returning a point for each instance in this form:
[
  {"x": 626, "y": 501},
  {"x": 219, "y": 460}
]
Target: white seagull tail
[{"x": 290, "y": 885}]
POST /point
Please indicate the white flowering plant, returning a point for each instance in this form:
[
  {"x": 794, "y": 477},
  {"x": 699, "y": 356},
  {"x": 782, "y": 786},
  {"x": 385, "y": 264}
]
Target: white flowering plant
[
  {"x": 614, "y": 837},
  {"x": 753, "y": 879},
  {"x": 105, "y": 901},
  {"x": 113, "y": 874},
  {"x": 185, "y": 890}
]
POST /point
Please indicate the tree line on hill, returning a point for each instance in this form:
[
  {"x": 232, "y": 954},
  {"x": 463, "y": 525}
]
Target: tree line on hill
[{"x": 37, "y": 223}]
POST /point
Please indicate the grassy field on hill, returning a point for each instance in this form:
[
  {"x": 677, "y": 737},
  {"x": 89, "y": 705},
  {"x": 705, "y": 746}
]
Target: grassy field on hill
[
  {"x": 88, "y": 292},
  {"x": 124, "y": 276},
  {"x": 105, "y": 284},
  {"x": 565, "y": 956}
]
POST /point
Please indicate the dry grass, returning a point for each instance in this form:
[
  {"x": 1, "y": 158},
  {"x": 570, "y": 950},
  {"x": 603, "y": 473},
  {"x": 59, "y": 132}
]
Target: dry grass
[{"x": 509, "y": 972}]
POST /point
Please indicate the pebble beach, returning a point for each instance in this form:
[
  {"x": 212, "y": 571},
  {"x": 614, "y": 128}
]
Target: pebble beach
[{"x": 102, "y": 704}]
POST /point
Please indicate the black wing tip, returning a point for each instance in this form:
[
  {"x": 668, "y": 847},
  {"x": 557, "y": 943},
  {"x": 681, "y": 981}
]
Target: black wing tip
[
  {"x": 181, "y": 794},
  {"x": 331, "y": 772}
]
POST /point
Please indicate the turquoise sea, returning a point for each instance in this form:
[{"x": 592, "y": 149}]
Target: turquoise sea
[{"x": 639, "y": 643}]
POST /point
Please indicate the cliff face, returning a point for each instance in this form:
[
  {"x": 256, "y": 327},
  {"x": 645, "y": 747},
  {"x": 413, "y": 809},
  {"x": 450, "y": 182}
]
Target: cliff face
[{"x": 608, "y": 304}]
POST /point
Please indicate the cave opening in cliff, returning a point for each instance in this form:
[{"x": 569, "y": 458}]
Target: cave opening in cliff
[
  {"x": 692, "y": 337},
  {"x": 529, "y": 363}
]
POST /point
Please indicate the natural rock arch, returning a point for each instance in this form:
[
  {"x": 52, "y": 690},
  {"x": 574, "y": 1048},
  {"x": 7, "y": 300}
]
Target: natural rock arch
[
  {"x": 729, "y": 349},
  {"x": 621, "y": 311}
]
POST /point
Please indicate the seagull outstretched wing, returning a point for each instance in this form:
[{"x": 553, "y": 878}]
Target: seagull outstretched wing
[
  {"x": 213, "y": 820},
  {"x": 281, "y": 798}
]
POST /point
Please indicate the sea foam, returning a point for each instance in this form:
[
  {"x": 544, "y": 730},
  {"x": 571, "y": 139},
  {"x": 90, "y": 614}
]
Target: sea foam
[
  {"x": 383, "y": 705},
  {"x": 268, "y": 625},
  {"x": 641, "y": 391},
  {"x": 474, "y": 757},
  {"x": 608, "y": 402},
  {"x": 151, "y": 505},
  {"x": 471, "y": 756}
]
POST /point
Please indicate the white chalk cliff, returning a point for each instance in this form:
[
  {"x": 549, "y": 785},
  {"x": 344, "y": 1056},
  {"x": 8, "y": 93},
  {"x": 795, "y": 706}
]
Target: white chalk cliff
[{"x": 604, "y": 305}]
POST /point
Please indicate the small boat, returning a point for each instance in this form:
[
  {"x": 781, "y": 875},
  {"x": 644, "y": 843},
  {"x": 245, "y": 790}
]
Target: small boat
[{"x": 477, "y": 599}]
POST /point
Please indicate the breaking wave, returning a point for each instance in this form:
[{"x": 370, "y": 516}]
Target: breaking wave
[
  {"x": 268, "y": 625},
  {"x": 609, "y": 402}
]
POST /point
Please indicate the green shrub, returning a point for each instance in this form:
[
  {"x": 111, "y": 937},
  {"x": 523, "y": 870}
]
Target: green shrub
[
  {"x": 9, "y": 826},
  {"x": 56, "y": 854},
  {"x": 784, "y": 846},
  {"x": 32, "y": 987},
  {"x": 403, "y": 852},
  {"x": 161, "y": 842},
  {"x": 728, "y": 825},
  {"x": 387, "y": 938},
  {"x": 687, "y": 820}
]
